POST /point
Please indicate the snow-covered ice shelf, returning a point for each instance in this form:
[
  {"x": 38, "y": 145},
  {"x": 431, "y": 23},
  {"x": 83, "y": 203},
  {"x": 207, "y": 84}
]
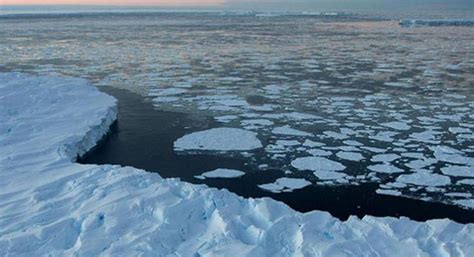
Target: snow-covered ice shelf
[{"x": 51, "y": 206}]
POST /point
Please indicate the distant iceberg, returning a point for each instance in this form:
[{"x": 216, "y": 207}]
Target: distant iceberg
[{"x": 435, "y": 23}]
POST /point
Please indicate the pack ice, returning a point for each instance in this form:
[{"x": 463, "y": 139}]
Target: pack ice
[{"x": 51, "y": 206}]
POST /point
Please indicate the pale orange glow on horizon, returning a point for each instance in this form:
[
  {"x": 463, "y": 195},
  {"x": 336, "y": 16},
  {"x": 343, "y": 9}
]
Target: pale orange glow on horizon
[{"x": 114, "y": 2}]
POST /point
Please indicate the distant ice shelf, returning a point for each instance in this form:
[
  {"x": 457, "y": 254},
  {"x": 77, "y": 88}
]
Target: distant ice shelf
[
  {"x": 435, "y": 23},
  {"x": 51, "y": 206}
]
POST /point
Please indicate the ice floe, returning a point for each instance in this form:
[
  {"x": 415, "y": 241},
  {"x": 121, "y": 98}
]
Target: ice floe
[
  {"x": 351, "y": 156},
  {"x": 385, "y": 157},
  {"x": 424, "y": 179},
  {"x": 388, "y": 192},
  {"x": 219, "y": 139},
  {"x": 285, "y": 185},
  {"x": 221, "y": 173},
  {"x": 458, "y": 171},
  {"x": 384, "y": 168},
  {"x": 317, "y": 164},
  {"x": 398, "y": 125},
  {"x": 286, "y": 130},
  {"x": 329, "y": 175}
]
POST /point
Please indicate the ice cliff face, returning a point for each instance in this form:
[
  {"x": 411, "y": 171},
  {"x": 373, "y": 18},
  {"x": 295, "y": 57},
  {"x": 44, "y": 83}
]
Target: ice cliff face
[{"x": 52, "y": 206}]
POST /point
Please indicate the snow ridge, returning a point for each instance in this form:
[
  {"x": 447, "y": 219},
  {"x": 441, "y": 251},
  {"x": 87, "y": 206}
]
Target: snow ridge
[{"x": 50, "y": 206}]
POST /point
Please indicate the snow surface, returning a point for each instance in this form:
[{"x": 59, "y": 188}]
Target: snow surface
[
  {"x": 51, "y": 206},
  {"x": 219, "y": 139}
]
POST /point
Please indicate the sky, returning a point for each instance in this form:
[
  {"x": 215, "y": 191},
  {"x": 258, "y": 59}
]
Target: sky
[
  {"x": 260, "y": 4},
  {"x": 115, "y": 2}
]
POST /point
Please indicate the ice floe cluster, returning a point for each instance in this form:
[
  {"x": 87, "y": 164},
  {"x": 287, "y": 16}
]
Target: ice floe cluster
[
  {"x": 393, "y": 105},
  {"x": 50, "y": 206},
  {"x": 412, "y": 146}
]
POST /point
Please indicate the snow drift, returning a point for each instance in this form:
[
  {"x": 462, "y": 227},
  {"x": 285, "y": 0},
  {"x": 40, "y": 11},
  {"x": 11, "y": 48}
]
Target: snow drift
[{"x": 50, "y": 205}]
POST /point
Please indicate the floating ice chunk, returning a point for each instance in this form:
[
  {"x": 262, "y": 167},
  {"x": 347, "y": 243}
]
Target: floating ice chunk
[
  {"x": 261, "y": 108},
  {"x": 384, "y": 168},
  {"x": 219, "y": 139},
  {"x": 398, "y": 84},
  {"x": 458, "y": 130},
  {"x": 396, "y": 184},
  {"x": 231, "y": 79},
  {"x": 466, "y": 182},
  {"x": 275, "y": 148},
  {"x": 231, "y": 102},
  {"x": 286, "y": 130},
  {"x": 419, "y": 164},
  {"x": 427, "y": 136},
  {"x": 317, "y": 164},
  {"x": 468, "y": 203},
  {"x": 385, "y": 136},
  {"x": 353, "y": 143},
  {"x": 329, "y": 175},
  {"x": 351, "y": 156},
  {"x": 301, "y": 116},
  {"x": 335, "y": 135},
  {"x": 346, "y": 148},
  {"x": 319, "y": 152},
  {"x": 388, "y": 192},
  {"x": 458, "y": 171},
  {"x": 285, "y": 185},
  {"x": 424, "y": 179},
  {"x": 226, "y": 118},
  {"x": 385, "y": 157},
  {"x": 374, "y": 149},
  {"x": 459, "y": 194},
  {"x": 168, "y": 92},
  {"x": 310, "y": 143},
  {"x": 287, "y": 142},
  {"x": 398, "y": 125},
  {"x": 399, "y": 149},
  {"x": 444, "y": 149},
  {"x": 414, "y": 155},
  {"x": 257, "y": 122},
  {"x": 165, "y": 99},
  {"x": 456, "y": 158},
  {"x": 223, "y": 173}
]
